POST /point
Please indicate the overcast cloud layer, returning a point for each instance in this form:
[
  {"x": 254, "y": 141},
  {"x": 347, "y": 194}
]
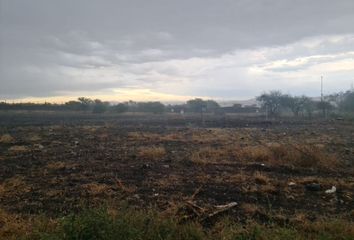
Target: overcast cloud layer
[{"x": 171, "y": 50}]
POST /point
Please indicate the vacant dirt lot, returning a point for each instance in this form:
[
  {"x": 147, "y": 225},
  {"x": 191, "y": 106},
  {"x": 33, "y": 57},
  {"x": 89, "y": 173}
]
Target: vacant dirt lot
[{"x": 280, "y": 170}]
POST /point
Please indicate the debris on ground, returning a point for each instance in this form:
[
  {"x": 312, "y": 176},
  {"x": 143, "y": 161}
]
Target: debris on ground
[{"x": 332, "y": 190}]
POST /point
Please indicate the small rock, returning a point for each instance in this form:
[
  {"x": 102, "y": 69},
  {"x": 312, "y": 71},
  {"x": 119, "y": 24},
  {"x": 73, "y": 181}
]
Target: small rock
[
  {"x": 313, "y": 187},
  {"x": 291, "y": 184},
  {"x": 166, "y": 166}
]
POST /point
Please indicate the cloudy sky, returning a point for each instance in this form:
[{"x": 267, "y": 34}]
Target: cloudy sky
[{"x": 173, "y": 50}]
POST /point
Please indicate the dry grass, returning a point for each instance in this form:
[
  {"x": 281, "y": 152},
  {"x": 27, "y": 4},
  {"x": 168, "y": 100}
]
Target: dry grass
[
  {"x": 97, "y": 188},
  {"x": 274, "y": 154},
  {"x": 14, "y": 185},
  {"x": 253, "y": 154},
  {"x": 143, "y": 136},
  {"x": 13, "y": 226},
  {"x": 152, "y": 153},
  {"x": 238, "y": 178},
  {"x": 7, "y": 138},
  {"x": 18, "y": 149},
  {"x": 56, "y": 165},
  {"x": 208, "y": 155},
  {"x": 260, "y": 178},
  {"x": 250, "y": 209}
]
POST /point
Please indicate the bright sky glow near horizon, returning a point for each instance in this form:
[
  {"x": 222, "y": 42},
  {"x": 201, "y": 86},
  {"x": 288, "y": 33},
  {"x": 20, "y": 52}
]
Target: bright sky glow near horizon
[{"x": 173, "y": 50}]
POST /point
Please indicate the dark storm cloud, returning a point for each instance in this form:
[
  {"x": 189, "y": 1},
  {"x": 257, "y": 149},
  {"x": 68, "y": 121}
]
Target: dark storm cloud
[{"x": 49, "y": 47}]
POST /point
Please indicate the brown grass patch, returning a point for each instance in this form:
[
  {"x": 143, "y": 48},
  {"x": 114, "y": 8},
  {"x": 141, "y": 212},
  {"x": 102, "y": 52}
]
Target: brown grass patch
[
  {"x": 238, "y": 178},
  {"x": 260, "y": 178},
  {"x": 56, "y": 165},
  {"x": 293, "y": 155},
  {"x": 14, "y": 185},
  {"x": 97, "y": 188},
  {"x": 249, "y": 208},
  {"x": 208, "y": 155},
  {"x": 13, "y": 226},
  {"x": 18, "y": 149},
  {"x": 173, "y": 137},
  {"x": 268, "y": 189},
  {"x": 254, "y": 154},
  {"x": 7, "y": 138},
  {"x": 143, "y": 136},
  {"x": 152, "y": 153}
]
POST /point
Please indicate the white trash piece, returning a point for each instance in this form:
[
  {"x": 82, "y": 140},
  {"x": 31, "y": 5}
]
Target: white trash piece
[{"x": 332, "y": 190}]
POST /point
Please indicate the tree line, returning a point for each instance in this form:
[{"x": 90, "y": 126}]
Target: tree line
[{"x": 273, "y": 103}]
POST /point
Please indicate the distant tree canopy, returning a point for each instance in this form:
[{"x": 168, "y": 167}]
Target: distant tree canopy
[
  {"x": 153, "y": 107},
  {"x": 295, "y": 104},
  {"x": 99, "y": 106},
  {"x": 273, "y": 102},
  {"x": 347, "y": 102},
  {"x": 199, "y": 105}
]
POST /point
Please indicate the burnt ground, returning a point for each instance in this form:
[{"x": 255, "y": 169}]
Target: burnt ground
[{"x": 56, "y": 163}]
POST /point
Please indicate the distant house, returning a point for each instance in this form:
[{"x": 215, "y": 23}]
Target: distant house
[{"x": 177, "y": 109}]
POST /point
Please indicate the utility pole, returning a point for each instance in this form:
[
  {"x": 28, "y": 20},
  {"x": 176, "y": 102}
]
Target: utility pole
[
  {"x": 322, "y": 102},
  {"x": 322, "y": 89}
]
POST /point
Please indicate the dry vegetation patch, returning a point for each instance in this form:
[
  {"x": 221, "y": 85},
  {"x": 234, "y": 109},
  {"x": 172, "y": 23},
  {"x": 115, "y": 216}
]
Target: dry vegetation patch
[
  {"x": 13, "y": 226},
  {"x": 7, "y": 138},
  {"x": 209, "y": 155},
  {"x": 97, "y": 188},
  {"x": 260, "y": 178},
  {"x": 18, "y": 149},
  {"x": 152, "y": 153},
  {"x": 14, "y": 185},
  {"x": 250, "y": 209}
]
